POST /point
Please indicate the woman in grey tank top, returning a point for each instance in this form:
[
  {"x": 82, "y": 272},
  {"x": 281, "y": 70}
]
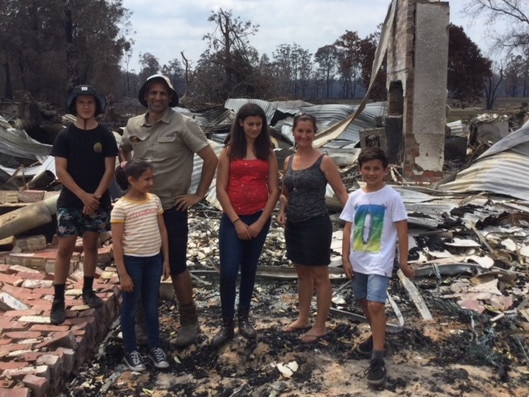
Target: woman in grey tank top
[{"x": 308, "y": 229}]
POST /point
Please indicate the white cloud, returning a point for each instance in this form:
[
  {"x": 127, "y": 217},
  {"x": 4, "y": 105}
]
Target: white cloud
[{"x": 166, "y": 27}]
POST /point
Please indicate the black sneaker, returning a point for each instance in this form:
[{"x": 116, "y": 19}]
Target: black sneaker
[
  {"x": 134, "y": 361},
  {"x": 376, "y": 373},
  {"x": 158, "y": 358},
  {"x": 91, "y": 299},
  {"x": 58, "y": 312},
  {"x": 365, "y": 348}
]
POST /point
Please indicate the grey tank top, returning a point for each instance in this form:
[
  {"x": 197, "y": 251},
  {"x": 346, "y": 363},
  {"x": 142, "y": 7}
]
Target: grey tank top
[{"x": 306, "y": 197}]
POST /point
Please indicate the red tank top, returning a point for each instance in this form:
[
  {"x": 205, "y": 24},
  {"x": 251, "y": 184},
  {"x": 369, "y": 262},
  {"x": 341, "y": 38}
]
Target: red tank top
[{"x": 248, "y": 185}]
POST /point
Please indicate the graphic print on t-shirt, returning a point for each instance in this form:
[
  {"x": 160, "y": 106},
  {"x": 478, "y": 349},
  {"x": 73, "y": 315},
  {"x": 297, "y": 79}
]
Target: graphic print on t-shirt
[{"x": 367, "y": 234}]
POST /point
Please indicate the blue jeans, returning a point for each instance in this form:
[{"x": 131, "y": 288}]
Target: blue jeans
[
  {"x": 372, "y": 287},
  {"x": 146, "y": 273},
  {"x": 234, "y": 254}
]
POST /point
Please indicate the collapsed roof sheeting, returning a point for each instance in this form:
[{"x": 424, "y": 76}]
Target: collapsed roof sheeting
[
  {"x": 502, "y": 169},
  {"x": 280, "y": 115},
  {"x": 18, "y": 143},
  {"x": 328, "y": 116}
]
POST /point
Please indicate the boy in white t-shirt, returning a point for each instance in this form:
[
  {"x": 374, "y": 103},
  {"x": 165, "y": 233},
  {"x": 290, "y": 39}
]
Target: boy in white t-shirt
[{"x": 375, "y": 220}]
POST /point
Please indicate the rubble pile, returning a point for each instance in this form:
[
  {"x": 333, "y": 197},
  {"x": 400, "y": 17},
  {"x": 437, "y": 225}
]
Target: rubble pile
[
  {"x": 458, "y": 351},
  {"x": 459, "y": 328}
]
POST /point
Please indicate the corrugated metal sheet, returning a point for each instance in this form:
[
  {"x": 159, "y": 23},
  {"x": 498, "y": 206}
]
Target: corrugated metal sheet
[
  {"x": 504, "y": 173},
  {"x": 502, "y": 169},
  {"x": 331, "y": 114},
  {"x": 18, "y": 143}
]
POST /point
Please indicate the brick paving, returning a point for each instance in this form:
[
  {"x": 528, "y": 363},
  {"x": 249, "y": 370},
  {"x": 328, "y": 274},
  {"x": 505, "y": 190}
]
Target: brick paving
[{"x": 36, "y": 358}]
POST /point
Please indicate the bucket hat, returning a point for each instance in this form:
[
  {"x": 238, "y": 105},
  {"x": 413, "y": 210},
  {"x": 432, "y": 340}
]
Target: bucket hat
[
  {"x": 162, "y": 79},
  {"x": 101, "y": 102}
]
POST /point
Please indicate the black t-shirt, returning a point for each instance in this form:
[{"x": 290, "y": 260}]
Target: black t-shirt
[{"x": 85, "y": 152}]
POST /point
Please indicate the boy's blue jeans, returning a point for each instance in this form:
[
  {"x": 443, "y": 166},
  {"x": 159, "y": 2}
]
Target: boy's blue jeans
[
  {"x": 146, "y": 273},
  {"x": 372, "y": 287},
  {"x": 234, "y": 254}
]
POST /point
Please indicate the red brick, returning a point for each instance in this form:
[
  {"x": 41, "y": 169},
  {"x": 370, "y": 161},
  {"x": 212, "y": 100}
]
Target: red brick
[
  {"x": 12, "y": 325},
  {"x": 54, "y": 364},
  {"x": 4, "y": 268},
  {"x": 12, "y": 365},
  {"x": 19, "y": 335},
  {"x": 67, "y": 357},
  {"x": 32, "y": 275},
  {"x": 38, "y": 304},
  {"x": 38, "y": 385},
  {"x": 49, "y": 328},
  {"x": 20, "y": 313},
  {"x": 10, "y": 280},
  {"x": 78, "y": 321},
  {"x": 17, "y": 292},
  {"x": 4, "y": 350},
  {"x": 42, "y": 292},
  {"x": 15, "y": 392},
  {"x": 59, "y": 339},
  {"x": 30, "y": 357}
]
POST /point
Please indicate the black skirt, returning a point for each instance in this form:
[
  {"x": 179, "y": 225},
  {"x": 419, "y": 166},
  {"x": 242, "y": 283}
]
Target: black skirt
[{"x": 309, "y": 242}]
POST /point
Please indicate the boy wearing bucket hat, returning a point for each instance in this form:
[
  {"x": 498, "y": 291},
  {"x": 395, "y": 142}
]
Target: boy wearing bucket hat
[
  {"x": 169, "y": 140},
  {"x": 85, "y": 157}
]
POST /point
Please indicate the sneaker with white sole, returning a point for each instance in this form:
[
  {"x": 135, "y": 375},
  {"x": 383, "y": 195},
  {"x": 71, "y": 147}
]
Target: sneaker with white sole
[
  {"x": 158, "y": 358},
  {"x": 376, "y": 372},
  {"x": 134, "y": 361}
]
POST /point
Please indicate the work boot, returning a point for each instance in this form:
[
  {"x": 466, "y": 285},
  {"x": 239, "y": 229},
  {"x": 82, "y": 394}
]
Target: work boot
[
  {"x": 188, "y": 325},
  {"x": 225, "y": 334},
  {"x": 58, "y": 312},
  {"x": 245, "y": 327},
  {"x": 142, "y": 338}
]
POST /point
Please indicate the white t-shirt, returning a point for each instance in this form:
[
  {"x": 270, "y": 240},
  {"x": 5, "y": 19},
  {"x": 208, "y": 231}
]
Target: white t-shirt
[
  {"x": 141, "y": 234},
  {"x": 374, "y": 235}
]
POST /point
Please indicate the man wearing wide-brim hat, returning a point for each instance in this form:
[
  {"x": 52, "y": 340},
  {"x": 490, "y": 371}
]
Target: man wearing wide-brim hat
[{"x": 169, "y": 140}]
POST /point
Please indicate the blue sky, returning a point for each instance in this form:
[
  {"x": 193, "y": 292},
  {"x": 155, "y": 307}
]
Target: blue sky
[{"x": 164, "y": 28}]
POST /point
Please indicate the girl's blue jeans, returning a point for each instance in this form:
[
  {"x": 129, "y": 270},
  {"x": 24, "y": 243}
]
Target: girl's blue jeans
[
  {"x": 146, "y": 273},
  {"x": 238, "y": 254}
]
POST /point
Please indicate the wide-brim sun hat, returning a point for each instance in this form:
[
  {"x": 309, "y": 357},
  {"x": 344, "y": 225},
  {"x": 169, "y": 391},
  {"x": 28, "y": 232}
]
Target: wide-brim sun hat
[
  {"x": 158, "y": 78},
  {"x": 101, "y": 102}
]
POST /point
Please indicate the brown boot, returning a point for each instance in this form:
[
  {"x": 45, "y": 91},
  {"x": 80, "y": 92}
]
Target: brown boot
[
  {"x": 188, "y": 325},
  {"x": 246, "y": 328},
  {"x": 225, "y": 334}
]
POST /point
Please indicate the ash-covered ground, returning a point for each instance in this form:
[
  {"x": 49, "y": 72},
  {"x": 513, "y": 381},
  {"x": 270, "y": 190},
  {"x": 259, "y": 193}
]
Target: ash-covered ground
[{"x": 459, "y": 353}]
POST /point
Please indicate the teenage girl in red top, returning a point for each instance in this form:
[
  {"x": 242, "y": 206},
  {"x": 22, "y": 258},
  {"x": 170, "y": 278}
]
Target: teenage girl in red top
[{"x": 248, "y": 190}]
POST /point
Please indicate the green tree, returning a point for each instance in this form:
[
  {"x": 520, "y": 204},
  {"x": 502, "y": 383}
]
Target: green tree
[
  {"x": 516, "y": 77},
  {"x": 292, "y": 67},
  {"x": 327, "y": 58},
  {"x": 149, "y": 65},
  {"x": 51, "y": 45},
  {"x": 175, "y": 72},
  {"x": 347, "y": 47},
  {"x": 468, "y": 70},
  {"x": 366, "y": 55}
]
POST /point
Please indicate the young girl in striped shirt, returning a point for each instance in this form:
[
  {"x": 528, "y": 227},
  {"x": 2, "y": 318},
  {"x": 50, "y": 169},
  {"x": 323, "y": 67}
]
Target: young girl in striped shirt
[{"x": 141, "y": 256}]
